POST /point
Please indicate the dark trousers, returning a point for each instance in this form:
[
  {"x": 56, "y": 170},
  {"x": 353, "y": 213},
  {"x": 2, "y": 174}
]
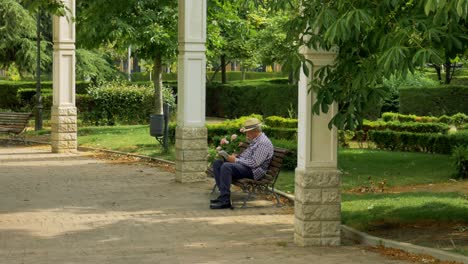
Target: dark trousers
[{"x": 225, "y": 172}]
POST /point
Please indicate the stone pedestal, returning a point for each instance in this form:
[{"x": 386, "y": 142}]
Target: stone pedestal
[
  {"x": 317, "y": 208},
  {"x": 64, "y": 129},
  {"x": 191, "y": 152}
]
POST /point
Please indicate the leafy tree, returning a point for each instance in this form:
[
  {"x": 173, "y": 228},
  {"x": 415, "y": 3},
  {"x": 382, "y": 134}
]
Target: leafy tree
[
  {"x": 95, "y": 65},
  {"x": 275, "y": 47},
  {"x": 374, "y": 39},
  {"x": 149, "y": 26},
  {"x": 232, "y": 27},
  {"x": 17, "y": 36}
]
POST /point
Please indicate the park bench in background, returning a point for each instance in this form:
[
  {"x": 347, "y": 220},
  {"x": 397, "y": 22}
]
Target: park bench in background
[
  {"x": 266, "y": 184},
  {"x": 14, "y": 123}
]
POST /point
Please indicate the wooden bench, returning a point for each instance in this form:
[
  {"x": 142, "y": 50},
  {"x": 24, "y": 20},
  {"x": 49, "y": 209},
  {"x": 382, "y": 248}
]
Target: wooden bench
[
  {"x": 264, "y": 185},
  {"x": 14, "y": 123}
]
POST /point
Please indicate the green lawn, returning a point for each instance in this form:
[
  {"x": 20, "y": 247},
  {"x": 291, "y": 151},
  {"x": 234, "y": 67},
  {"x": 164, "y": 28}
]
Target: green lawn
[
  {"x": 362, "y": 211},
  {"x": 130, "y": 139},
  {"x": 396, "y": 168}
]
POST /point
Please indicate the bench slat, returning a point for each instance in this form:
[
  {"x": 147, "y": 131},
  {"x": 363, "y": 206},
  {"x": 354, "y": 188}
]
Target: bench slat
[{"x": 13, "y": 122}]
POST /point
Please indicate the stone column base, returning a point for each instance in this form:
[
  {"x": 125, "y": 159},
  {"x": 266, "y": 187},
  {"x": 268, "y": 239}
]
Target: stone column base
[
  {"x": 191, "y": 153},
  {"x": 317, "y": 207},
  {"x": 64, "y": 129}
]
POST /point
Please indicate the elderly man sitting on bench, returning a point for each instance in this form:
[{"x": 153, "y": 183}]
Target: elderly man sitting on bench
[{"x": 252, "y": 163}]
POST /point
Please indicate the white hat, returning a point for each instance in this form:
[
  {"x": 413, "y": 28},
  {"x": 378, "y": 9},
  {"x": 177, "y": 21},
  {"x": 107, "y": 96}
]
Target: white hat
[{"x": 250, "y": 124}]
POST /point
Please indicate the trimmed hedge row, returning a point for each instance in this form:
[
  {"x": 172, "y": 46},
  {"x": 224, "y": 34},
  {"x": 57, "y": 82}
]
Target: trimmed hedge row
[
  {"x": 230, "y": 76},
  {"x": 457, "y": 119},
  {"x": 414, "y": 127},
  {"x": 9, "y": 92},
  {"x": 278, "y": 121},
  {"x": 418, "y": 142},
  {"x": 445, "y": 100},
  {"x": 241, "y": 99}
]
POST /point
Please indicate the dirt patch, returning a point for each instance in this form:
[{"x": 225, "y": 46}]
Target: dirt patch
[
  {"x": 444, "y": 236},
  {"x": 403, "y": 255},
  {"x": 452, "y": 186}
]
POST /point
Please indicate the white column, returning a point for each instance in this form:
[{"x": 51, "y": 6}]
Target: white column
[
  {"x": 63, "y": 109},
  {"x": 191, "y": 133},
  {"x": 317, "y": 207}
]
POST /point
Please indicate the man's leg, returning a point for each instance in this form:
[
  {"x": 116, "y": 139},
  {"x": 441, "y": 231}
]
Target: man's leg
[
  {"x": 228, "y": 172},
  {"x": 217, "y": 170}
]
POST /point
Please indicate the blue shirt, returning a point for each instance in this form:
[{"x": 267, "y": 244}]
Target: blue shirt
[{"x": 257, "y": 156}]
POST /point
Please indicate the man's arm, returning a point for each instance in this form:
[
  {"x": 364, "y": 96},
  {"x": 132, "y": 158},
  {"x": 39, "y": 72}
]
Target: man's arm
[{"x": 259, "y": 155}]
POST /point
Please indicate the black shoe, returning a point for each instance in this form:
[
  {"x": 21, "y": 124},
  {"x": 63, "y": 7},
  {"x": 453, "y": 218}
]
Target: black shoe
[
  {"x": 221, "y": 205},
  {"x": 215, "y": 200}
]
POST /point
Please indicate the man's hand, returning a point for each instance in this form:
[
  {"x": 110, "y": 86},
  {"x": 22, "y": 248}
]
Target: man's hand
[{"x": 231, "y": 158}]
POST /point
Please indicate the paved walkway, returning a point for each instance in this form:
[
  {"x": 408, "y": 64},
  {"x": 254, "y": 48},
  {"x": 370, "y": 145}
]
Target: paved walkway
[{"x": 72, "y": 208}]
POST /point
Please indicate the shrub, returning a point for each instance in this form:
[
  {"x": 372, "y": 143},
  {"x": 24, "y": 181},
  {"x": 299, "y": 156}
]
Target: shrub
[
  {"x": 408, "y": 118},
  {"x": 460, "y": 160},
  {"x": 118, "y": 102},
  {"x": 444, "y": 100},
  {"x": 459, "y": 119},
  {"x": 240, "y": 99},
  {"x": 344, "y": 136},
  {"x": 278, "y": 121},
  {"x": 420, "y": 142}
]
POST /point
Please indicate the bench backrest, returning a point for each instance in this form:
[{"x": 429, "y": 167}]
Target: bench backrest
[
  {"x": 14, "y": 122},
  {"x": 275, "y": 165}
]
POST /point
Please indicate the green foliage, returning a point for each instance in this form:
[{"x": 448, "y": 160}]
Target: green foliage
[
  {"x": 119, "y": 102},
  {"x": 239, "y": 99},
  {"x": 344, "y": 137},
  {"x": 147, "y": 26},
  {"x": 416, "y": 127},
  {"x": 460, "y": 160},
  {"x": 409, "y": 118},
  {"x": 231, "y": 29},
  {"x": 446, "y": 100},
  {"x": 18, "y": 37},
  {"x": 391, "y": 101},
  {"x": 374, "y": 41},
  {"x": 278, "y": 121},
  {"x": 10, "y": 92},
  {"x": 458, "y": 119},
  {"x": 281, "y": 133},
  {"x": 95, "y": 66},
  {"x": 364, "y": 211},
  {"x": 419, "y": 142}
]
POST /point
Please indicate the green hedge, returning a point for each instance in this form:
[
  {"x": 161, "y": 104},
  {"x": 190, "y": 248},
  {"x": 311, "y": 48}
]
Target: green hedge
[
  {"x": 445, "y": 100},
  {"x": 457, "y": 119},
  {"x": 9, "y": 92},
  {"x": 240, "y": 99},
  {"x": 278, "y": 121},
  {"x": 237, "y": 75},
  {"x": 230, "y": 76},
  {"x": 419, "y": 142},
  {"x": 415, "y": 127}
]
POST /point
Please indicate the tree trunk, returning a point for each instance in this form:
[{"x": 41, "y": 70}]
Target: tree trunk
[
  {"x": 157, "y": 79},
  {"x": 448, "y": 71},
  {"x": 438, "y": 71},
  {"x": 136, "y": 63},
  {"x": 223, "y": 69},
  {"x": 242, "y": 71}
]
